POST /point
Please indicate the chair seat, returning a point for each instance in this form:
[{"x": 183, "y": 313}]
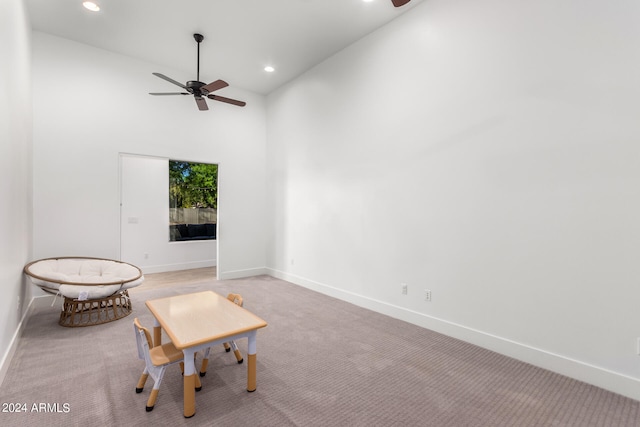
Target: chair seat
[{"x": 165, "y": 354}]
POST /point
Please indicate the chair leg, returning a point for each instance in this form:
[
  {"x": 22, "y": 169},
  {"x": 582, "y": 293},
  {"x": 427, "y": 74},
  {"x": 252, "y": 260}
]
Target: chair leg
[
  {"x": 205, "y": 358},
  {"x": 198, "y": 383},
  {"x": 236, "y": 352},
  {"x": 205, "y": 363},
  {"x": 142, "y": 381},
  {"x": 157, "y": 374},
  {"x": 226, "y": 347},
  {"x": 152, "y": 399}
]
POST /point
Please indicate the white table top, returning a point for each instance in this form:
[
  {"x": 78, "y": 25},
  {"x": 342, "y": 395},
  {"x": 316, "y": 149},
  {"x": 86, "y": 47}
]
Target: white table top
[{"x": 197, "y": 318}]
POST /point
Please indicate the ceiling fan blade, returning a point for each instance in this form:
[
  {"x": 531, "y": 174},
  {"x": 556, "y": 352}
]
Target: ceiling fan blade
[
  {"x": 218, "y": 84},
  {"x": 169, "y": 93},
  {"x": 227, "y": 100},
  {"x": 202, "y": 104},
  {"x": 398, "y": 3},
  {"x": 170, "y": 80}
]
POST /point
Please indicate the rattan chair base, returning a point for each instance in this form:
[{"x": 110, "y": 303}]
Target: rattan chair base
[{"x": 77, "y": 313}]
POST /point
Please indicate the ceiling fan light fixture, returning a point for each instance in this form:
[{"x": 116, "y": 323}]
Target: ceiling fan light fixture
[{"x": 93, "y": 7}]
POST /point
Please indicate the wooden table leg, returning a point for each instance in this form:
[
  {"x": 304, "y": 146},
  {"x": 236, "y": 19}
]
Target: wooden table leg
[
  {"x": 157, "y": 334},
  {"x": 189, "y": 384},
  {"x": 251, "y": 372},
  {"x": 251, "y": 363}
]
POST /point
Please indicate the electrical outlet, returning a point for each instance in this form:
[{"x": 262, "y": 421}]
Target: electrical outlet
[
  {"x": 404, "y": 289},
  {"x": 427, "y": 295},
  {"x": 146, "y": 256}
]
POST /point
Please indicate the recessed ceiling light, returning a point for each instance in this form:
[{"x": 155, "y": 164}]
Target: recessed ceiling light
[
  {"x": 93, "y": 7},
  {"x": 269, "y": 69}
]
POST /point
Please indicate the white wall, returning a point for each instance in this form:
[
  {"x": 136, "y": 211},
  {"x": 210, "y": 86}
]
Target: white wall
[
  {"x": 15, "y": 172},
  {"x": 144, "y": 225},
  {"x": 484, "y": 150},
  {"x": 90, "y": 105}
]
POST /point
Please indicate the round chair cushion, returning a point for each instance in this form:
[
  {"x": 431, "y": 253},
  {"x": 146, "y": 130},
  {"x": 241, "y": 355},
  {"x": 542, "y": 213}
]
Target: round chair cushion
[{"x": 94, "y": 277}]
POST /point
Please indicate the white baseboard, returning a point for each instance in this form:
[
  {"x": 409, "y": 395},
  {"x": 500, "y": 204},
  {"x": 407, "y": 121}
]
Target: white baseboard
[
  {"x": 6, "y": 360},
  {"x": 600, "y": 377},
  {"x": 149, "y": 269},
  {"x": 239, "y": 274},
  {"x": 8, "y": 356}
]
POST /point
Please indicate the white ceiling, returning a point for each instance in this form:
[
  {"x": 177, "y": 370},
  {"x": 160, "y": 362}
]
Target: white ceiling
[{"x": 241, "y": 36}]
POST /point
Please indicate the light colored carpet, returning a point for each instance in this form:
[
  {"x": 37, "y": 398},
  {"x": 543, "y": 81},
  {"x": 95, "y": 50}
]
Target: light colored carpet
[{"x": 321, "y": 362}]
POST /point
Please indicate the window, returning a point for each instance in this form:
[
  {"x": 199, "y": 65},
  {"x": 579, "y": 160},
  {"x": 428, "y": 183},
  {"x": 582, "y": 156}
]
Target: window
[{"x": 193, "y": 201}]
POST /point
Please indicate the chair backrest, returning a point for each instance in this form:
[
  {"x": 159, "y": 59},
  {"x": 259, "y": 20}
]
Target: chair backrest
[
  {"x": 235, "y": 298},
  {"x": 143, "y": 340}
]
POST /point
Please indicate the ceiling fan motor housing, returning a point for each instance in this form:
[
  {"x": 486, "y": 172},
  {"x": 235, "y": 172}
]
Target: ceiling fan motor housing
[{"x": 194, "y": 87}]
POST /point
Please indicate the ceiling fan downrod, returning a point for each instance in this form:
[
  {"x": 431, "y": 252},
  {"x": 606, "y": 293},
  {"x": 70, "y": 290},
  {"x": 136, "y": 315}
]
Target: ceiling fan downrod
[{"x": 199, "y": 38}]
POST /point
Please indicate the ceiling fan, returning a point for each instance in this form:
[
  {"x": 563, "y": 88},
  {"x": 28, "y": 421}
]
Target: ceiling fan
[
  {"x": 398, "y": 3},
  {"x": 198, "y": 89}
]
